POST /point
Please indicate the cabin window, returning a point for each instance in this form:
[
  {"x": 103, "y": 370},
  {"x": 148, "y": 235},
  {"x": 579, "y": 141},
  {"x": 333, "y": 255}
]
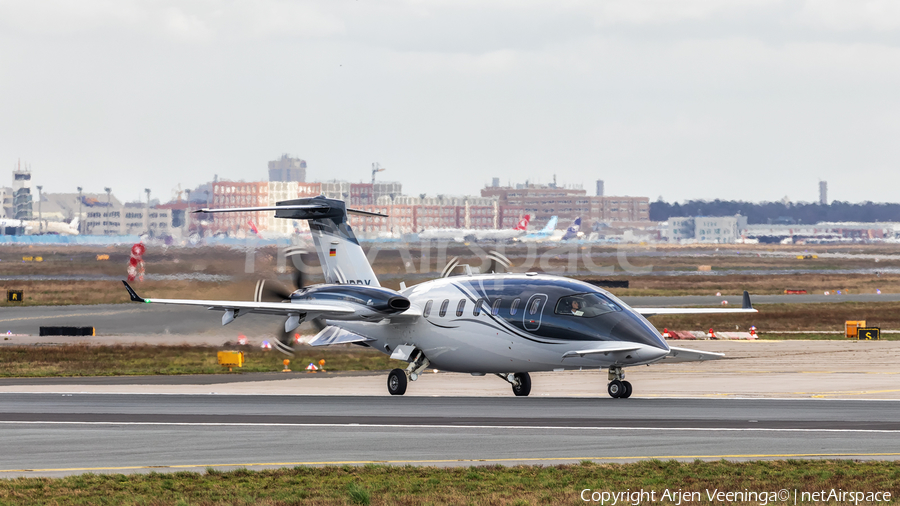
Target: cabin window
[
  {"x": 427, "y": 309},
  {"x": 443, "y": 310},
  {"x": 534, "y": 307},
  {"x": 495, "y": 309},
  {"x": 477, "y": 309},
  {"x": 514, "y": 307},
  {"x": 461, "y": 307}
]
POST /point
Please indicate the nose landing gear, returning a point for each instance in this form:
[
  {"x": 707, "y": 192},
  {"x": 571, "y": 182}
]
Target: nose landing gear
[
  {"x": 618, "y": 388},
  {"x": 520, "y": 381}
]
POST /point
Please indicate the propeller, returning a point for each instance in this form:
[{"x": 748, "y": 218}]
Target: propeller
[
  {"x": 273, "y": 291},
  {"x": 498, "y": 262},
  {"x": 495, "y": 262}
]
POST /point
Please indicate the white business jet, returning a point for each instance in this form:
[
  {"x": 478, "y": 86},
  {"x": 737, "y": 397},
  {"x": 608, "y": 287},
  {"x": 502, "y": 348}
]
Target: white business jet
[{"x": 504, "y": 324}]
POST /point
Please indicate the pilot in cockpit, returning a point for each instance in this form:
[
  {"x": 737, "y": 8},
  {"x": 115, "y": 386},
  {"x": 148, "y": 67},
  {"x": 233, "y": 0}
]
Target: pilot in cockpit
[
  {"x": 586, "y": 305},
  {"x": 576, "y": 308}
]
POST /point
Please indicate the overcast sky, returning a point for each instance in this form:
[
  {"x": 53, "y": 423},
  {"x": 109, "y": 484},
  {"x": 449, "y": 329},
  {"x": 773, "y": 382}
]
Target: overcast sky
[{"x": 732, "y": 99}]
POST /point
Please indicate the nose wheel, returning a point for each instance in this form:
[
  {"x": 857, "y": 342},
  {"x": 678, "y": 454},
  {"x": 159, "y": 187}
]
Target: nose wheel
[
  {"x": 520, "y": 381},
  {"x": 618, "y": 388}
]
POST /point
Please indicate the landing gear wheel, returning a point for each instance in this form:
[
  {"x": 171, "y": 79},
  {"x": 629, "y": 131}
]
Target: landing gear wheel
[
  {"x": 397, "y": 382},
  {"x": 627, "y": 392},
  {"x": 616, "y": 389},
  {"x": 523, "y": 386}
]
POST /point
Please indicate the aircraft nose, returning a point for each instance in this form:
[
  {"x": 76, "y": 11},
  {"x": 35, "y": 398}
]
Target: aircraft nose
[{"x": 633, "y": 330}]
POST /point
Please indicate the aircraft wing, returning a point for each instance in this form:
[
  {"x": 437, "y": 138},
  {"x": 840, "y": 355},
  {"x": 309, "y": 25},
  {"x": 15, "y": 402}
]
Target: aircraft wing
[
  {"x": 746, "y": 307},
  {"x": 279, "y": 308},
  {"x": 412, "y": 313},
  {"x": 600, "y": 351},
  {"x": 686, "y": 355}
]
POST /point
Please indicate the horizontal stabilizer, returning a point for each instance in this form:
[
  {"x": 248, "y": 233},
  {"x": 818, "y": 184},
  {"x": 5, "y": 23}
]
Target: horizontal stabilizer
[
  {"x": 686, "y": 355},
  {"x": 333, "y": 335},
  {"x": 600, "y": 351},
  {"x": 302, "y": 211}
]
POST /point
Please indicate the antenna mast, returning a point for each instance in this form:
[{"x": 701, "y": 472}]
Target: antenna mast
[{"x": 376, "y": 169}]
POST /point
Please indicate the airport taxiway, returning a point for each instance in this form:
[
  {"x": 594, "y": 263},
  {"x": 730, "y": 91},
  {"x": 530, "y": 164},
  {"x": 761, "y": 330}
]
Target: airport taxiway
[
  {"x": 53, "y": 434},
  {"x": 756, "y": 369},
  {"x": 767, "y": 399}
]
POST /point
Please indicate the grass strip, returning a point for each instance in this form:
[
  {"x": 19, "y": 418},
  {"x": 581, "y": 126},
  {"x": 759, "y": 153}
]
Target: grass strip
[
  {"x": 124, "y": 360},
  {"x": 487, "y": 485}
]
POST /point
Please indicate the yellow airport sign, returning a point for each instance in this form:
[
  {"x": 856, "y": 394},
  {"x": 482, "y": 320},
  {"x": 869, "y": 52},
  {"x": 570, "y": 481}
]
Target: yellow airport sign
[{"x": 231, "y": 359}]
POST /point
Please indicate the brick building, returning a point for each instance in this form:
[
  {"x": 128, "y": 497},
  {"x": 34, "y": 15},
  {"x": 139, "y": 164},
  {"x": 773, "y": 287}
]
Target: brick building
[{"x": 544, "y": 201}]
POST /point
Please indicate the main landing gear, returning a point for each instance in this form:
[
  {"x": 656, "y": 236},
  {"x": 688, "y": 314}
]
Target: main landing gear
[
  {"x": 520, "y": 381},
  {"x": 398, "y": 379},
  {"x": 618, "y": 388}
]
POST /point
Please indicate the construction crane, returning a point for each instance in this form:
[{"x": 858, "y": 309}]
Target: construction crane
[{"x": 376, "y": 169}]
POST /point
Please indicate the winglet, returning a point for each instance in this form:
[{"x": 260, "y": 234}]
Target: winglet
[
  {"x": 747, "y": 304},
  {"x": 131, "y": 292}
]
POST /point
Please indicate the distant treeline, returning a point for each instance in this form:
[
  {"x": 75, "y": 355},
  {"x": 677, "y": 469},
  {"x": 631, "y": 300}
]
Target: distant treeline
[{"x": 778, "y": 212}]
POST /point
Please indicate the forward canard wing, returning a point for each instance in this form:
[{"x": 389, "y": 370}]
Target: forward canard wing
[
  {"x": 687, "y": 355},
  {"x": 746, "y": 307},
  {"x": 600, "y": 351}
]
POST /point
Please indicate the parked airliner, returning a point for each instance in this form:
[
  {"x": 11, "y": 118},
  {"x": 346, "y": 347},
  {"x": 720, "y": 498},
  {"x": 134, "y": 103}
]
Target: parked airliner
[
  {"x": 469, "y": 234},
  {"x": 504, "y": 324},
  {"x": 543, "y": 234}
]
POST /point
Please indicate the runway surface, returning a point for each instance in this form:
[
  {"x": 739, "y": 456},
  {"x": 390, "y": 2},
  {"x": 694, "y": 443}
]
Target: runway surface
[
  {"x": 53, "y": 434},
  {"x": 133, "y": 318}
]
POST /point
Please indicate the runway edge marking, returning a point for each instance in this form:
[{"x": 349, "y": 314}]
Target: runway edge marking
[{"x": 447, "y": 461}]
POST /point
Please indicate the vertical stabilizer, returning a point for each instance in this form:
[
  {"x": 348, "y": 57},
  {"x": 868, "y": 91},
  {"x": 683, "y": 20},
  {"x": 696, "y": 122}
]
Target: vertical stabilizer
[
  {"x": 551, "y": 226},
  {"x": 343, "y": 259}
]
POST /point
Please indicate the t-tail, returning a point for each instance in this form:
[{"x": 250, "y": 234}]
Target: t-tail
[{"x": 342, "y": 258}]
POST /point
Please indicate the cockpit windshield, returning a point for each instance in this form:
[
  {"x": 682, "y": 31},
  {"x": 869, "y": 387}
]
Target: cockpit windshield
[{"x": 585, "y": 305}]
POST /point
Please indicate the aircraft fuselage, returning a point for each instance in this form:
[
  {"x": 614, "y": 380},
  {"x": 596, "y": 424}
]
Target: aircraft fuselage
[{"x": 500, "y": 323}]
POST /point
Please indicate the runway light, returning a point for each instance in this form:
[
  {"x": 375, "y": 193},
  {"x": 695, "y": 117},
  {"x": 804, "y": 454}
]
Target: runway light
[
  {"x": 311, "y": 367},
  {"x": 266, "y": 345},
  {"x": 242, "y": 340}
]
